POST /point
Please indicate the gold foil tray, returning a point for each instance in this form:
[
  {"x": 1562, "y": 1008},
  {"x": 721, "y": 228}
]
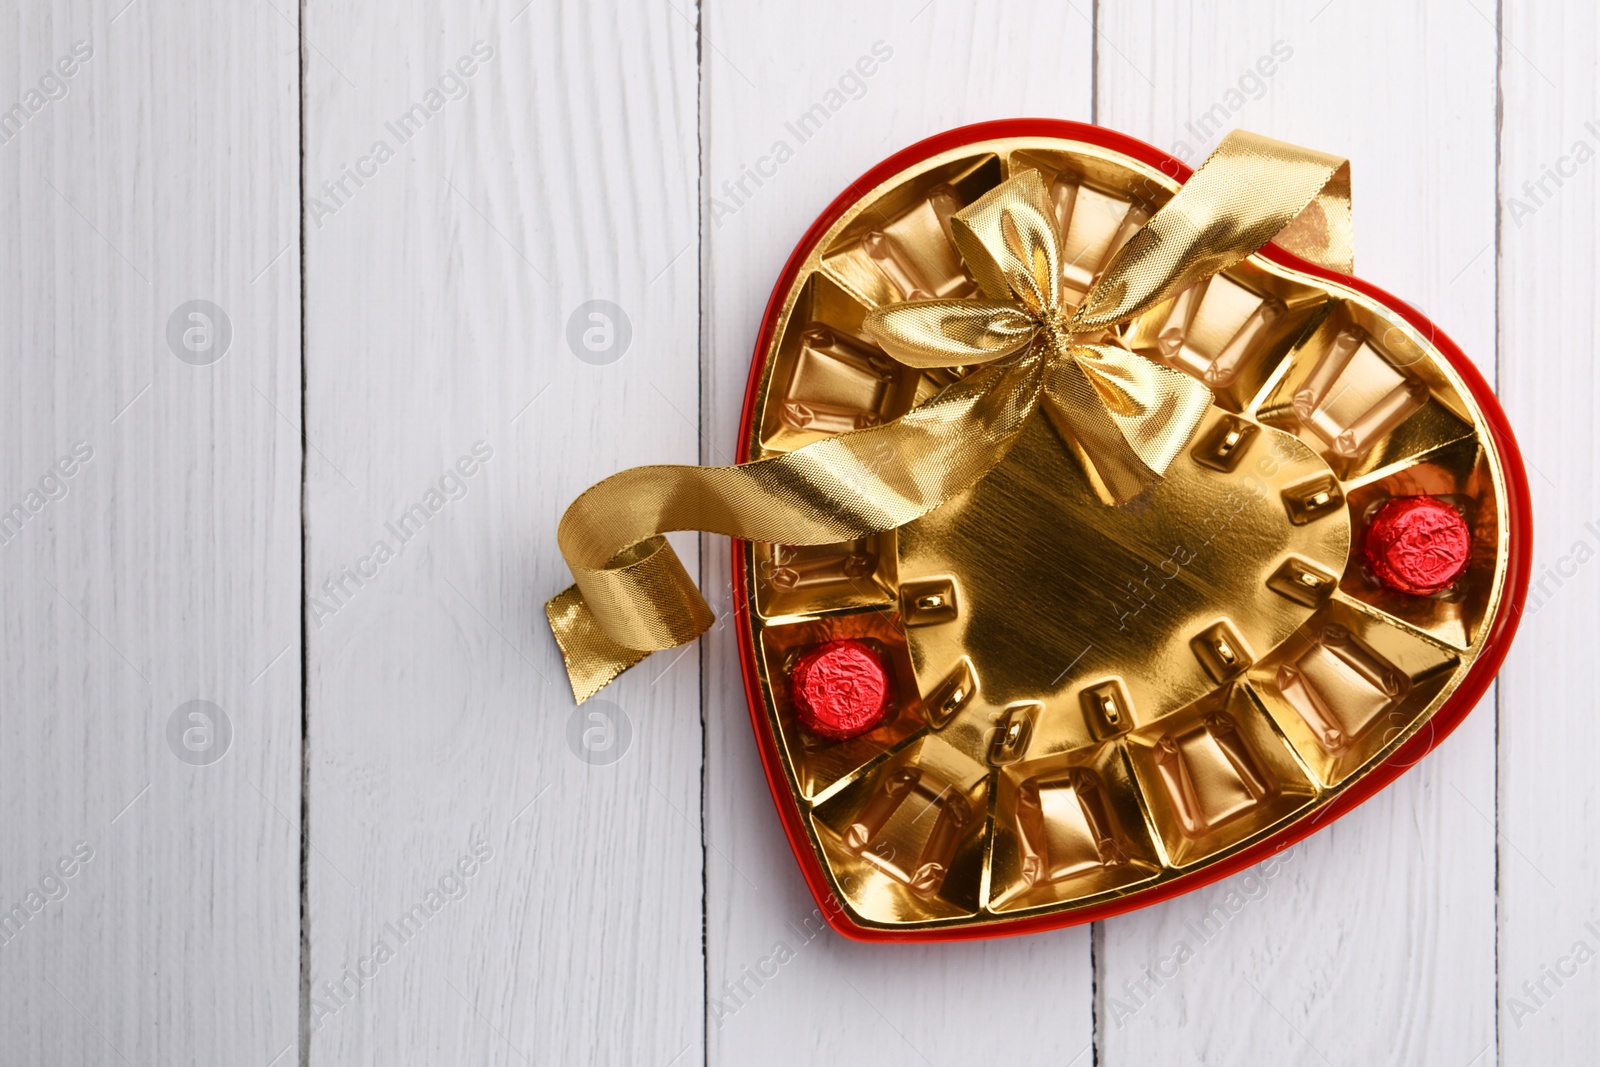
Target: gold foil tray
[{"x": 1091, "y": 700}]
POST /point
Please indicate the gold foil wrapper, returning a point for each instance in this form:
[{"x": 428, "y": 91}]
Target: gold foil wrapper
[{"x": 1093, "y": 701}]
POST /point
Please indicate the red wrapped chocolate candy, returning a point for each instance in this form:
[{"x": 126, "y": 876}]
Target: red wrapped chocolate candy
[
  {"x": 1417, "y": 544},
  {"x": 841, "y": 689}
]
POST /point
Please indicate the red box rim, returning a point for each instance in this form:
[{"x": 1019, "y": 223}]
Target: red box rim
[{"x": 1482, "y": 672}]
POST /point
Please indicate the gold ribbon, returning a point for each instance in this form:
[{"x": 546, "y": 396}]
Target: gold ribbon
[{"x": 1124, "y": 416}]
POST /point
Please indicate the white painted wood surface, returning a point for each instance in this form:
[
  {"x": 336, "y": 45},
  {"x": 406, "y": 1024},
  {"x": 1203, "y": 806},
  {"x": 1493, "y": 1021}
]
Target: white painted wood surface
[
  {"x": 436, "y": 315},
  {"x": 838, "y": 1000},
  {"x": 587, "y": 885},
  {"x": 1373, "y": 941},
  {"x": 1549, "y": 914},
  {"x": 166, "y": 568}
]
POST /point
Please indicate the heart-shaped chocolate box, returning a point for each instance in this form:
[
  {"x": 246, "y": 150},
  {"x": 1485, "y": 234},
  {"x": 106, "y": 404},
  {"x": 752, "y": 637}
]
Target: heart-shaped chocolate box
[{"x": 1097, "y": 707}]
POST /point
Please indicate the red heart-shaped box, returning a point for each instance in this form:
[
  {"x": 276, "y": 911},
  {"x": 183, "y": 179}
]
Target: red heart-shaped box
[{"x": 1246, "y": 699}]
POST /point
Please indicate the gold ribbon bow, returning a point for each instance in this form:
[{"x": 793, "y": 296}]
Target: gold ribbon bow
[{"x": 1124, "y": 416}]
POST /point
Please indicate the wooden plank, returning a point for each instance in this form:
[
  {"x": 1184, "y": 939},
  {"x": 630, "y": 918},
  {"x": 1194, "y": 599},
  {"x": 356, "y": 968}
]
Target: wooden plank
[
  {"x": 837, "y": 1001},
  {"x": 1549, "y": 919},
  {"x": 151, "y": 538},
  {"x": 1372, "y": 942},
  {"x": 444, "y": 755},
  {"x": 542, "y": 158}
]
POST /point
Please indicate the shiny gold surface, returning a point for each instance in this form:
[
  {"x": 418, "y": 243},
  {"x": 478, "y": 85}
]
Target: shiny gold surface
[
  {"x": 1096, "y": 699},
  {"x": 1023, "y": 342},
  {"x": 1068, "y": 593}
]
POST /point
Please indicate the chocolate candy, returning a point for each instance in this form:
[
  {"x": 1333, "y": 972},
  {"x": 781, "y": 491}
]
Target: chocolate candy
[
  {"x": 1417, "y": 545},
  {"x": 841, "y": 689}
]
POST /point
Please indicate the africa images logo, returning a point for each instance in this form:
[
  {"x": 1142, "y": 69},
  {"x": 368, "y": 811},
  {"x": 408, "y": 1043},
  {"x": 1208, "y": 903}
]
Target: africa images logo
[
  {"x": 599, "y": 332},
  {"x": 52, "y": 85},
  {"x": 350, "y": 579},
  {"x": 52, "y": 486},
  {"x": 599, "y": 733},
  {"x": 199, "y": 332},
  {"x": 851, "y": 85},
  {"x": 455, "y": 83},
  {"x": 199, "y": 733}
]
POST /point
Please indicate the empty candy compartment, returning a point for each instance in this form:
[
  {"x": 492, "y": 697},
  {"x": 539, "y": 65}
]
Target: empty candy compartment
[
  {"x": 1098, "y": 207},
  {"x": 827, "y": 377},
  {"x": 838, "y": 383},
  {"x": 909, "y": 252},
  {"x": 905, "y": 841},
  {"x": 1459, "y": 475},
  {"x": 1347, "y": 686},
  {"x": 1340, "y": 687},
  {"x": 1213, "y": 327},
  {"x": 1068, "y": 828},
  {"x": 1361, "y": 390},
  {"x": 812, "y": 579},
  {"x": 1230, "y": 331},
  {"x": 1354, "y": 395},
  {"x": 899, "y": 247},
  {"x": 1214, "y": 774},
  {"x": 820, "y": 763},
  {"x": 1094, "y": 226}
]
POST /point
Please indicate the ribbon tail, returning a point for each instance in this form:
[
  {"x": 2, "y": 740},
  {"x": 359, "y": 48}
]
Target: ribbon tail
[
  {"x": 1324, "y": 232},
  {"x": 632, "y": 595},
  {"x": 1124, "y": 417},
  {"x": 592, "y": 659},
  {"x": 1250, "y": 190}
]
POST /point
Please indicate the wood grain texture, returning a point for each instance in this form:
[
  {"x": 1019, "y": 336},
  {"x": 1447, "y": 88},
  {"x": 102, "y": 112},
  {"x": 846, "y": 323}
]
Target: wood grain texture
[
  {"x": 493, "y": 878},
  {"x": 159, "y": 564},
  {"x": 438, "y": 297},
  {"x": 838, "y": 1001},
  {"x": 1549, "y": 861},
  {"x": 1373, "y": 942}
]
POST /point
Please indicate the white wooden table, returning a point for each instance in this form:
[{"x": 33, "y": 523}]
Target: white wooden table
[{"x": 378, "y": 841}]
